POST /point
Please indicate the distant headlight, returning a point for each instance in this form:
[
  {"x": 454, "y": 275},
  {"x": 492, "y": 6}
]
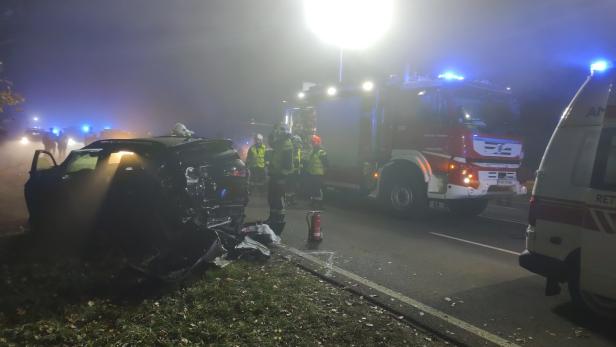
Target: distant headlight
[{"x": 24, "y": 140}]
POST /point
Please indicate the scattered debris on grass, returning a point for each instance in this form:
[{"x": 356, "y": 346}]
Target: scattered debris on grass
[{"x": 245, "y": 303}]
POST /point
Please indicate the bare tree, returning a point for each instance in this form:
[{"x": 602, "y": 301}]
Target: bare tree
[{"x": 8, "y": 97}]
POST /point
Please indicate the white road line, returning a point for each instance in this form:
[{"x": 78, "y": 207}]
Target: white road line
[
  {"x": 504, "y": 220},
  {"x": 510, "y": 208},
  {"x": 497, "y": 340},
  {"x": 476, "y": 243}
]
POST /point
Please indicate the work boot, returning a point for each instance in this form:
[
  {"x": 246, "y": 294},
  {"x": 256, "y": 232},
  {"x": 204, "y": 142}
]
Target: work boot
[{"x": 276, "y": 223}]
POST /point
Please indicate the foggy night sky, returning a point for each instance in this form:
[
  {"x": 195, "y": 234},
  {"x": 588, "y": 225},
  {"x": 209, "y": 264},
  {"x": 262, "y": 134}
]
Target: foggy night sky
[{"x": 150, "y": 63}]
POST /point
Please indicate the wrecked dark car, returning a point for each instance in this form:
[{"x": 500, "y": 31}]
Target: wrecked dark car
[{"x": 139, "y": 193}]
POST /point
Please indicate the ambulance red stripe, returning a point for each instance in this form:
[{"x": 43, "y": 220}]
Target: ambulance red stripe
[{"x": 564, "y": 211}]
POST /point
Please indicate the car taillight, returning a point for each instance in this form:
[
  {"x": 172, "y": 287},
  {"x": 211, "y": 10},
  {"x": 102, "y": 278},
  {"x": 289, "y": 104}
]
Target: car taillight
[
  {"x": 532, "y": 212},
  {"x": 236, "y": 171}
]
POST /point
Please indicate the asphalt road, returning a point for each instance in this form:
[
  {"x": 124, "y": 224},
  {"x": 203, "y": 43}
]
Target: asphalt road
[{"x": 467, "y": 268}]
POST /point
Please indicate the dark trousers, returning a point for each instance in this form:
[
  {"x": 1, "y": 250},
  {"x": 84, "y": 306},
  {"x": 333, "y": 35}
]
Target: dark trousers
[
  {"x": 275, "y": 196},
  {"x": 314, "y": 185},
  {"x": 257, "y": 179}
]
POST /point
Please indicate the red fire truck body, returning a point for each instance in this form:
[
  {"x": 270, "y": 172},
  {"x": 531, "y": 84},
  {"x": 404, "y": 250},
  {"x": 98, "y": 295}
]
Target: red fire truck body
[{"x": 415, "y": 142}]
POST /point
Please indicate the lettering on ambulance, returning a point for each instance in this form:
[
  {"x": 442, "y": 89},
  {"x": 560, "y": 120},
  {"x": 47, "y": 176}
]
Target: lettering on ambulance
[
  {"x": 610, "y": 112},
  {"x": 595, "y": 112}
]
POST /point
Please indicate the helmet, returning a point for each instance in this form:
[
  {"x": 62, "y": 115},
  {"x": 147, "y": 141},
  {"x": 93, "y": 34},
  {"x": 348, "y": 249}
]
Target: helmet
[
  {"x": 259, "y": 138},
  {"x": 280, "y": 131},
  {"x": 181, "y": 130},
  {"x": 316, "y": 140},
  {"x": 284, "y": 129}
]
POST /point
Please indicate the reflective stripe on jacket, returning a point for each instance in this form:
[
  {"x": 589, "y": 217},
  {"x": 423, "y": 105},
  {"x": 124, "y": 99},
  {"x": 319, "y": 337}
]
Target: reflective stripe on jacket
[
  {"x": 282, "y": 161},
  {"x": 316, "y": 165},
  {"x": 256, "y": 156}
]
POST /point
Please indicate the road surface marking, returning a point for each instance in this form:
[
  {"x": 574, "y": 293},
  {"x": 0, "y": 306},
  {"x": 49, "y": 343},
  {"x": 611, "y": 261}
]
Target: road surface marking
[
  {"x": 497, "y": 340},
  {"x": 505, "y": 220},
  {"x": 476, "y": 243},
  {"x": 517, "y": 209}
]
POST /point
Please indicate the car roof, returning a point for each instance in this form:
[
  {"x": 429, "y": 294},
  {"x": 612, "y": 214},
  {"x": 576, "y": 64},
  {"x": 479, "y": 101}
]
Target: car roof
[{"x": 158, "y": 141}]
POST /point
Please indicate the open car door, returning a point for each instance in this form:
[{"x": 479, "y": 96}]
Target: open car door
[
  {"x": 40, "y": 188},
  {"x": 42, "y": 161}
]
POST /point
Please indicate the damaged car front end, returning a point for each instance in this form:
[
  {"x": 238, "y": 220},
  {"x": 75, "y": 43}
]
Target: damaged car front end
[{"x": 168, "y": 203}]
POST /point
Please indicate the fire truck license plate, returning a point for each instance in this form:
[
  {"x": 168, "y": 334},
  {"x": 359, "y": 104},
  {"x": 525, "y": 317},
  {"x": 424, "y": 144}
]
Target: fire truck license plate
[{"x": 504, "y": 182}]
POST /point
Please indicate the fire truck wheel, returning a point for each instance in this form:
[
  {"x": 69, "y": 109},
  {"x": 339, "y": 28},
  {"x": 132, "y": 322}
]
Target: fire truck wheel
[
  {"x": 406, "y": 198},
  {"x": 468, "y": 208},
  {"x": 582, "y": 299}
]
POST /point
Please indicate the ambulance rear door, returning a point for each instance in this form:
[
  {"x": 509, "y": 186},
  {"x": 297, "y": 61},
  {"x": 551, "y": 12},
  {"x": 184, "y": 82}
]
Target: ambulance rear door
[{"x": 598, "y": 237}]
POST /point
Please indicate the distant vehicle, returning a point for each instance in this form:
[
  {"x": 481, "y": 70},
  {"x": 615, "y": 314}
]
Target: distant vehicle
[
  {"x": 571, "y": 236},
  {"x": 417, "y": 143},
  {"x": 158, "y": 185},
  {"x": 109, "y": 134},
  {"x": 33, "y": 135}
]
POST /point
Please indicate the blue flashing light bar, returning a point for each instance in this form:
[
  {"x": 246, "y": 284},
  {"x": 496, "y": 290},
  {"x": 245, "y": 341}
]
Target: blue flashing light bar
[
  {"x": 451, "y": 76},
  {"x": 107, "y": 127},
  {"x": 86, "y": 128},
  {"x": 55, "y": 131},
  {"x": 600, "y": 66}
]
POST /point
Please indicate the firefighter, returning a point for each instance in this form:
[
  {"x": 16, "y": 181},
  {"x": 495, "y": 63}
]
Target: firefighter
[
  {"x": 281, "y": 165},
  {"x": 49, "y": 141},
  {"x": 62, "y": 145},
  {"x": 255, "y": 160},
  {"x": 315, "y": 166},
  {"x": 293, "y": 181}
]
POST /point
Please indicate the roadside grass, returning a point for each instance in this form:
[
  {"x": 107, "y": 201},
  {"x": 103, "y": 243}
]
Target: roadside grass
[{"x": 244, "y": 304}]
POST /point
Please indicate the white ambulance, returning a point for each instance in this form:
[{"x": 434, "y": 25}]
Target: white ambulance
[{"x": 571, "y": 236}]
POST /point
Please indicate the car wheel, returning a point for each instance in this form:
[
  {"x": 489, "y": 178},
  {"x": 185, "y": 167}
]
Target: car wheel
[
  {"x": 468, "y": 207},
  {"x": 405, "y": 198}
]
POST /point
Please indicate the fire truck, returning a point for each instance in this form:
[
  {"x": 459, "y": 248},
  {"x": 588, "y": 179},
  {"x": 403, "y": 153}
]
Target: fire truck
[{"x": 416, "y": 143}]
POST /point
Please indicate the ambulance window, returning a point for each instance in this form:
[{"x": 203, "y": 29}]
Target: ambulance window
[
  {"x": 582, "y": 171},
  {"x": 604, "y": 174}
]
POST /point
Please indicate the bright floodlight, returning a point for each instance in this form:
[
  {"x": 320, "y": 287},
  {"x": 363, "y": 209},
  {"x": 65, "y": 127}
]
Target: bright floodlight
[
  {"x": 451, "y": 76},
  {"x": 349, "y": 24},
  {"x": 331, "y": 91},
  {"x": 301, "y": 95},
  {"x": 35, "y": 118},
  {"x": 24, "y": 141},
  {"x": 71, "y": 142},
  {"x": 367, "y": 86},
  {"x": 599, "y": 66}
]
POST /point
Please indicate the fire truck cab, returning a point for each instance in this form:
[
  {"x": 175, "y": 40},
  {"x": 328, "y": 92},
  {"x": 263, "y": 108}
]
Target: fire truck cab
[
  {"x": 410, "y": 143},
  {"x": 571, "y": 236}
]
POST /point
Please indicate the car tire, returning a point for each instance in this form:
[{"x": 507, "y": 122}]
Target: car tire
[
  {"x": 404, "y": 197},
  {"x": 584, "y": 300},
  {"x": 467, "y": 208}
]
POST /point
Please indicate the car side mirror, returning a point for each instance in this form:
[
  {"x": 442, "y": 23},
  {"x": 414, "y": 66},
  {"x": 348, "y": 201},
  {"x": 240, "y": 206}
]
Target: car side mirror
[{"x": 42, "y": 160}]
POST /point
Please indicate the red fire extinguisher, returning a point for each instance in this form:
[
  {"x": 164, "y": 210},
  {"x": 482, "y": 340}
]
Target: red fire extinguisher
[{"x": 313, "y": 218}]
